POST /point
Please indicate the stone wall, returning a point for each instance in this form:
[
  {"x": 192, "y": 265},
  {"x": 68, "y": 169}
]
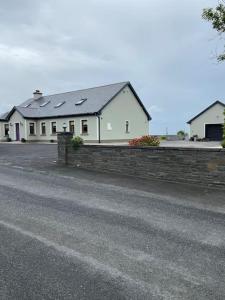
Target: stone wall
[{"x": 202, "y": 166}]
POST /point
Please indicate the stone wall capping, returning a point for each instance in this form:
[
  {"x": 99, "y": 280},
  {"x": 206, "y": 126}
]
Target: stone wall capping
[{"x": 156, "y": 148}]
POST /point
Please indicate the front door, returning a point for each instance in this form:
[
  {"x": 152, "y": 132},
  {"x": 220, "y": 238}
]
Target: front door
[{"x": 17, "y": 132}]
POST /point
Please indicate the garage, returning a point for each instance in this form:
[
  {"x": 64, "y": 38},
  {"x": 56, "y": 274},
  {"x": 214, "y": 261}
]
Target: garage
[
  {"x": 214, "y": 132},
  {"x": 208, "y": 124}
]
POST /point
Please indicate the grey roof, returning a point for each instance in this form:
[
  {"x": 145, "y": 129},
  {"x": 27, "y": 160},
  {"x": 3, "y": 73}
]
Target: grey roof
[
  {"x": 3, "y": 117},
  {"x": 202, "y": 112},
  {"x": 96, "y": 99}
]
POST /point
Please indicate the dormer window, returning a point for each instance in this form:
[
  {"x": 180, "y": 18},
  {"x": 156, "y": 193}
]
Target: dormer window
[
  {"x": 44, "y": 104},
  {"x": 27, "y": 105},
  {"x": 59, "y": 104},
  {"x": 81, "y": 101}
]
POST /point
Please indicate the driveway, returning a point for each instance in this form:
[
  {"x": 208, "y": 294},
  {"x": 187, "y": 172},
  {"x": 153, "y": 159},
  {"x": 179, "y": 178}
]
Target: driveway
[
  {"x": 190, "y": 144},
  {"x": 73, "y": 234},
  {"x": 41, "y": 156}
]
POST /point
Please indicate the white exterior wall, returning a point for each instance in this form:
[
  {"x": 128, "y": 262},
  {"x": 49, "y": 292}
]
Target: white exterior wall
[
  {"x": 92, "y": 127},
  {"x": 2, "y": 138},
  {"x": 24, "y": 124},
  {"x": 212, "y": 116},
  {"x": 124, "y": 107},
  {"x": 16, "y": 118}
]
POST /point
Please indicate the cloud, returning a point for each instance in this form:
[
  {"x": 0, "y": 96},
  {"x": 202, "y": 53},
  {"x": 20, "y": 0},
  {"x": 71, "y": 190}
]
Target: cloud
[
  {"x": 163, "y": 48},
  {"x": 18, "y": 55},
  {"x": 155, "y": 109}
]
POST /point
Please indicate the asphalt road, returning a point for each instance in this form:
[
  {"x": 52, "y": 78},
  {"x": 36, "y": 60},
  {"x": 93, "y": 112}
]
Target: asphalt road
[{"x": 73, "y": 234}]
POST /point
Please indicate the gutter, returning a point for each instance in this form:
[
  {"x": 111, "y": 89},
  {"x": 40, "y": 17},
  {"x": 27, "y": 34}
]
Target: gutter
[{"x": 99, "y": 129}]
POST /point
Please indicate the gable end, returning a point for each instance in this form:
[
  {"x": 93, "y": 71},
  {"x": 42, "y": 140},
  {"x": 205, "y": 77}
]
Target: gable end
[
  {"x": 205, "y": 110},
  {"x": 136, "y": 96}
]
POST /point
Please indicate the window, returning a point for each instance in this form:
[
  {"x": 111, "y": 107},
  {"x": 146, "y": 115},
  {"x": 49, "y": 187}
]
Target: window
[
  {"x": 127, "y": 130},
  {"x": 84, "y": 127},
  {"x": 81, "y": 101},
  {"x": 27, "y": 105},
  {"x": 71, "y": 127},
  {"x": 6, "y": 129},
  {"x": 44, "y": 104},
  {"x": 32, "y": 131},
  {"x": 53, "y": 127},
  {"x": 59, "y": 104},
  {"x": 109, "y": 126},
  {"x": 43, "y": 128}
]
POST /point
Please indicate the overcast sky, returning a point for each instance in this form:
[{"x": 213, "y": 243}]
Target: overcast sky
[{"x": 162, "y": 46}]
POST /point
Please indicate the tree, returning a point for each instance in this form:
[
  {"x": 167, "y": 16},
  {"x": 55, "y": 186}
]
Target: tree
[
  {"x": 217, "y": 17},
  {"x": 181, "y": 134}
]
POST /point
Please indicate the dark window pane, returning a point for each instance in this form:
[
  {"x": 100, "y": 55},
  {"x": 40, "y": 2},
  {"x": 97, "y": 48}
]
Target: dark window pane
[
  {"x": 84, "y": 126},
  {"x": 32, "y": 129},
  {"x": 6, "y": 129},
  {"x": 72, "y": 126},
  {"x": 127, "y": 126},
  {"x": 53, "y": 127},
  {"x": 43, "y": 128}
]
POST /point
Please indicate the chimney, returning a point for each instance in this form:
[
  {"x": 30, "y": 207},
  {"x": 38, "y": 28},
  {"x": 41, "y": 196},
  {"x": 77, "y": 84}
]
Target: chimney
[{"x": 37, "y": 94}]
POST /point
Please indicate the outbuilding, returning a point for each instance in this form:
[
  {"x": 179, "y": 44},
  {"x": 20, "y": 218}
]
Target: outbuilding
[{"x": 208, "y": 124}]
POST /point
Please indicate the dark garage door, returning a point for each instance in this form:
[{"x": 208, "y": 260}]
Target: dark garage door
[{"x": 214, "y": 132}]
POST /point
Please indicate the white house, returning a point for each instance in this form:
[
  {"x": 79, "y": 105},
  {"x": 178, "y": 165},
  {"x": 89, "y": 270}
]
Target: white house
[
  {"x": 208, "y": 124},
  {"x": 101, "y": 114}
]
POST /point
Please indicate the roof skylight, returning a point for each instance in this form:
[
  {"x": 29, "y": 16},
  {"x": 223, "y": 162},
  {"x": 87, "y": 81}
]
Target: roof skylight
[
  {"x": 27, "y": 105},
  {"x": 81, "y": 101},
  {"x": 44, "y": 104},
  {"x": 59, "y": 104}
]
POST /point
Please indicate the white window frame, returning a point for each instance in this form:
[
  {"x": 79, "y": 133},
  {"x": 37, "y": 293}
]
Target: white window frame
[
  {"x": 74, "y": 125},
  {"x": 4, "y": 129},
  {"x": 81, "y": 133},
  {"x": 41, "y": 133},
  {"x": 35, "y": 131},
  {"x": 51, "y": 127}
]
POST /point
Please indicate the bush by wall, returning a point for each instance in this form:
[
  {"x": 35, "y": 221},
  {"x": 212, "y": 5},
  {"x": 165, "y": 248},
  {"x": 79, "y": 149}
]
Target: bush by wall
[
  {"x": 146, "y": 140},
  {"x": 77, "y": 142}
]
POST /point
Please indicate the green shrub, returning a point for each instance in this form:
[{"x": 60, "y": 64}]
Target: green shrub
[
  {"x": 8, "y": 140},
  {"x": 181, "y": 134},
  {"x": 163, "y": 138},
  {"x": 223, "y": 143},
  {"x": 146, "y": 140},
  {"x": 77, "y": 142}
]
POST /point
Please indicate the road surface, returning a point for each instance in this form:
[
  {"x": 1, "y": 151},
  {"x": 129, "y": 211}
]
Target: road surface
[{"x": 73, "y": 234}]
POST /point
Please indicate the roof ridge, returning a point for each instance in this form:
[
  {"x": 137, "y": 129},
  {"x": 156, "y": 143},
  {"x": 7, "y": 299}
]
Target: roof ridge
[
  {"x": 95, "y": 87},
  {"x": 206, "y": 109}
]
